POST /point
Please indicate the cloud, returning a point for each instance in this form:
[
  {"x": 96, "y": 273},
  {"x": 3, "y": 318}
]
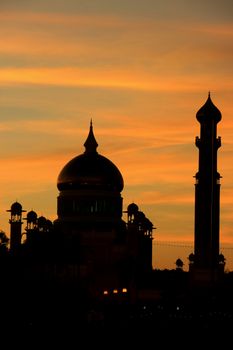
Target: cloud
[
  {"x": 104, "y": 78},
  {"x": 165, "y": 46}
]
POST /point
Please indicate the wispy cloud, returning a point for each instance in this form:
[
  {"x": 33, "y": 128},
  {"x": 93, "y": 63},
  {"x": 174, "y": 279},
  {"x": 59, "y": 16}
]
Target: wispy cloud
[{"x": 120, "y": 79}]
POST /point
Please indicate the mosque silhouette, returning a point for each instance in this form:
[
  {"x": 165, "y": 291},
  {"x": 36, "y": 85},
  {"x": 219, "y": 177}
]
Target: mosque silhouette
[{"x": 89, "y": 260}]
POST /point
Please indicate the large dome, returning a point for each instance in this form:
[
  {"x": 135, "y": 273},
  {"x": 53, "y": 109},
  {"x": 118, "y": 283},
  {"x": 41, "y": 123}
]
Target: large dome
[{"x": 90, "y": 170}]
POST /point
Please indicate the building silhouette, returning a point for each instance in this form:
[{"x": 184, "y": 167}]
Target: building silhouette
[
  {"x": 90, "y": 267},
  {"x": 89, "y": 247},
  {"x": 90, "y": 212}
]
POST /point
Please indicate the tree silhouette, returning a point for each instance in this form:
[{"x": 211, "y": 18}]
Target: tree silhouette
[
  {"x": 191, "y": 258},
  {"x": 4, "y": 242},
  {"x": 221, "y": 259},
  {"x": 179, "y": 264}
]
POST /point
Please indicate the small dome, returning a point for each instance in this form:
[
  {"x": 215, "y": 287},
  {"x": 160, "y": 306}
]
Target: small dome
[
  {"x": 49, "y": 223},
  {"x": 42, "y": 221},
  {"x": 132, "y": 209},
  {"x": 90, "y": 170},
  {"x": 141, "y": 216},
  {"x": 31, "y": 216},
  {"x": 148, "y": 224},
  {"x": 208, "y": 111},
  {"x": 16, "y": 208}
]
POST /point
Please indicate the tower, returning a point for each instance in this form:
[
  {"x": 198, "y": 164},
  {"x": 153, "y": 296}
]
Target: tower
[
  {"x": 15, "y": 226},
  {"x": 206, "y": 265},
  {"x": 32, "y": 226},
  {"x": 140, "y": 230}
]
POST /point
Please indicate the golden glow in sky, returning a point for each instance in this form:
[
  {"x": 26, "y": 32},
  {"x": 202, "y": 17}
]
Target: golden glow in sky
[{"x": 140, "y": 70}]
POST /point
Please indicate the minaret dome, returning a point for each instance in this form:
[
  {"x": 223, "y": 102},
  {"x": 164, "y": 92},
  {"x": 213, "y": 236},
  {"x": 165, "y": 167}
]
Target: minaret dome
[{"x": 208, "y": 112}]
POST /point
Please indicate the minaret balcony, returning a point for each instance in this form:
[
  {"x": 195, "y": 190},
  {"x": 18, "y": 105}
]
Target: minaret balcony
[
  {"x": 197, "y": 178},
  {"x": 218, "y": 142},
  {"x": 197, "y": 141}
]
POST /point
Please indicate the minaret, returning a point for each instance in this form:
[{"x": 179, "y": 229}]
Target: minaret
[
  {"x": 15, "y": 226},
  {"x": 207, "y": 195},
  {"x": 32, "y": 225}
]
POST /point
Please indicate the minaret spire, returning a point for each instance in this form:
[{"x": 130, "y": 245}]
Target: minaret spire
[{"x": 90, "y": 143}]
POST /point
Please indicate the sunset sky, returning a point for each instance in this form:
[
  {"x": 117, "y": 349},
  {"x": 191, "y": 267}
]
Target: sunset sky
[{"x": 140, "y": 69}]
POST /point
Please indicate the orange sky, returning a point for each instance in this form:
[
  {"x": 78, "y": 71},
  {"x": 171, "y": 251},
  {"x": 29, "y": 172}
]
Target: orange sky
[{"x": 140, "y": 70}]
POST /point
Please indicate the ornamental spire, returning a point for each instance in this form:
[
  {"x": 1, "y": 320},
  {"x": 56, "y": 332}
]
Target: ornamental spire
[{"x": 90, "y": 143}]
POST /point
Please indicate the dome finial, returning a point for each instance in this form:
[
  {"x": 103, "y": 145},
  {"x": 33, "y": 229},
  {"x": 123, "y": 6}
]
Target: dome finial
[
  {"x": 209, "y": 94},
  {"x": 90, "y": 143}
]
